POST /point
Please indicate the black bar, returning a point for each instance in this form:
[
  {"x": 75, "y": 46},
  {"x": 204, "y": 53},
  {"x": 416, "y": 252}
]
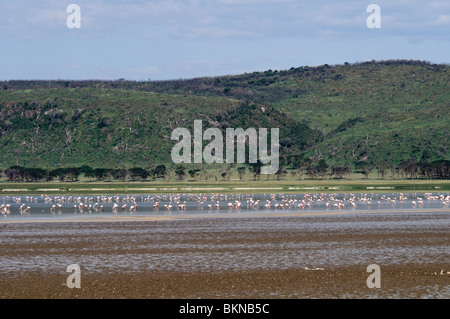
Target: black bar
[{"x": 219, "y": 308}]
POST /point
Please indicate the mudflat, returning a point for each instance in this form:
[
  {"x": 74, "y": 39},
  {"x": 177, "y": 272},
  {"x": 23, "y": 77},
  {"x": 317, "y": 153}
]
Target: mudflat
[{"x": 259, "y": 257}]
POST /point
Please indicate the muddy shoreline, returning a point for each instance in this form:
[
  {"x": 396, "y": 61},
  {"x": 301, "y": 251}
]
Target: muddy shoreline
[
  {"x": 400, "y": 281},
  {"x": 270, "y": 258}
]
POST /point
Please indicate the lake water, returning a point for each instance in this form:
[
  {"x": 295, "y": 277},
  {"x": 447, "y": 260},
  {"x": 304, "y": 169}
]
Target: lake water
[
  {"x": 43, "y": 207},
  {"x": 244, "y": 232}
]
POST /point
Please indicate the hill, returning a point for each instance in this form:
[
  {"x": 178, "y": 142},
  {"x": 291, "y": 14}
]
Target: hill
[
  {"x": 118, "y": 128},
  {"x": 359, "y": 115}
]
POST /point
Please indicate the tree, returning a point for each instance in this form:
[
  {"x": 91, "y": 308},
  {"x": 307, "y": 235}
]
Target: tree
[
  {"x": 311, "y": 170},
  {"x": 180, "y": 172},
  {"x": 409, "y": 167},
  {"x": 100, "y": 173},
  {"x": 241, "y": 172},
  {"x": 160, "y": 171},
  {"x": 32, "y": 174},
  {"x": 426, "y": 169},
  {"x": 138, "y": 172},
  {"x": 88, "y": 171},
  {"x": 73, "y": 173},
  {"x": 300, "y": 163},
  {"x": 119, "y": 174},
  {"x": 255, "y": 168},
  {"x": 13, "y": 173},
  {"x": 61, "y": 173},
  {"x": 382, "y": 167},
  {"x": 364, "y": 168},
  {"x": 90, "y": 174},
  {"x": 322, "y": 168},
  {"x": 281, "y": 173},
  {"x": 339, "y": 171},
  {"x": 441, "y": 169},
  {"x": 349, "y": 170},
  {"x": 193, "y": 173}
]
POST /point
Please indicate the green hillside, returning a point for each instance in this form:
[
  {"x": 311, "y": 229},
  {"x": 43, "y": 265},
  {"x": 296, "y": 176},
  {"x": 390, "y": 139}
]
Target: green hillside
[
  {"x": 118, "y": 128},
  {"x": 392, "y": 112}
]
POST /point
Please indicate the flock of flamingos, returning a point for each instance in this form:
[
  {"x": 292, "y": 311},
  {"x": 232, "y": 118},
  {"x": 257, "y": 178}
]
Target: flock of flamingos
[{"x": 175, "y": 202}]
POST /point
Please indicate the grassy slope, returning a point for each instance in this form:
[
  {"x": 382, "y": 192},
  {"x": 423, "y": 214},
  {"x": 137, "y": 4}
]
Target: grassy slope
[
  {"x": 401, "y": 108},
  {"x": 106, "y": 127},
  {"x": 378, "y": 111},
  {"x": 117, "y": 128},
  {"x": 402, "y": 112}
]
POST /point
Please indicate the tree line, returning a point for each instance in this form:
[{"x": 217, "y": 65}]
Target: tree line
[
  {"x": 298, "y": 165},
  {"x": 72, "y": 174},
  {"x": 412, "y": 169}
]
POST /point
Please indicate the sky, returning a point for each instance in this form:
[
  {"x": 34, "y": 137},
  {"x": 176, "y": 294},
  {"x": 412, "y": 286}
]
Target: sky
[{"x": 174, "y": 39}]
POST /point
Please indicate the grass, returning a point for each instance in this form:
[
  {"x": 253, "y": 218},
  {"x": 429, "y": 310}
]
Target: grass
[{"x": 224, "y": 187}]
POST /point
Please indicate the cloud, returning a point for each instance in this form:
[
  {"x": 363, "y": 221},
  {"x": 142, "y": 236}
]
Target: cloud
[
  {"x": 199, "y": 19},
  {"x": 185, "y": 38},
  {"x": 442, "y": 20}
]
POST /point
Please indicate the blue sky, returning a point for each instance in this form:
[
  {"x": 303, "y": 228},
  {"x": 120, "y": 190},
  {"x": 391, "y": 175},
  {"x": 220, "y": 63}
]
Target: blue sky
[{"x": 172, "y": 39}]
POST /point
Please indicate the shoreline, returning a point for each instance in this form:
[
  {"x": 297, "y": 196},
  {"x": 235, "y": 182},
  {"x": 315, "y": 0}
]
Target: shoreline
[
  {"x": 214, "y": 215},
  {"x": 226, "y": 187}
]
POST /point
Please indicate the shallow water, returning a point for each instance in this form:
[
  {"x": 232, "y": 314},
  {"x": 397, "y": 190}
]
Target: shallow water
[
  {"x": 250, "y": 238},
  {"x": 228, "y": 243},
  {"x": 42, "y": 208},
  {"x": 240, "y": 242}
]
